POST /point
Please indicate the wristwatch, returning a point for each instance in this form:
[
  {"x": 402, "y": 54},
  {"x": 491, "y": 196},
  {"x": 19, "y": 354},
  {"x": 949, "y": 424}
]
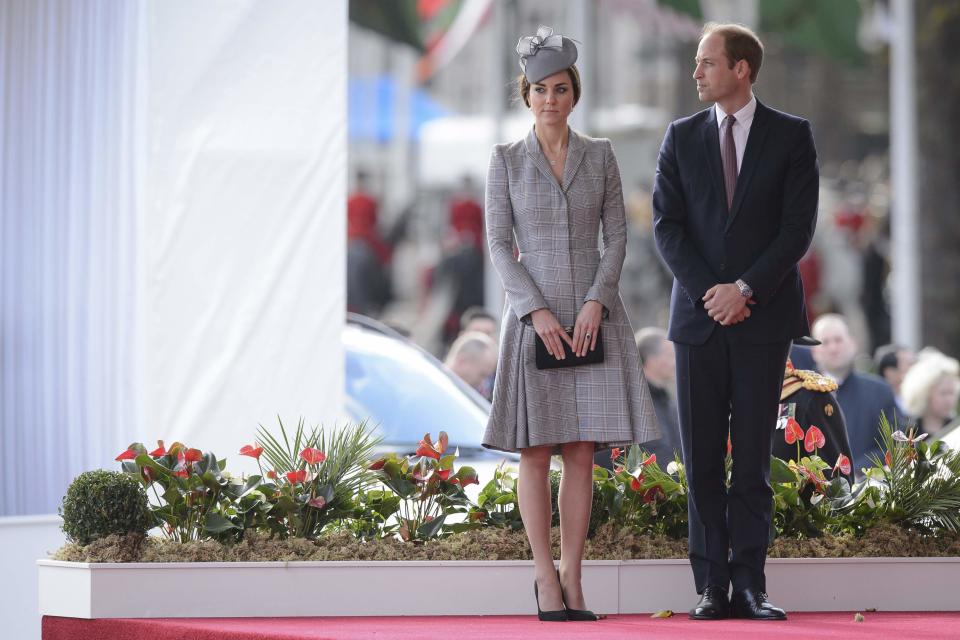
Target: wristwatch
[{"x": 745, "y": 289}]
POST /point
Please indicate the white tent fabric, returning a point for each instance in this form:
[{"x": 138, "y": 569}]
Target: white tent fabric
[{"x": 171, "y": 234}]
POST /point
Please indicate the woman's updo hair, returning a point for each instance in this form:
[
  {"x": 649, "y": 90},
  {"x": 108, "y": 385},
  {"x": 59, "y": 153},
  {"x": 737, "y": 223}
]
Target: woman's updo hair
[
  {"x": 523, "y": 86},
  {"x": 930, "y": 368}
]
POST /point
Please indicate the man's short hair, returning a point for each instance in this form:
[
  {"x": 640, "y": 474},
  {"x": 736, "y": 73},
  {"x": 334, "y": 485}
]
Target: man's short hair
[
  {"x": 887, "y": 357},
  {"x": 649, "y": 342},
  {"x": 740, "y": 43},
  {"x": 472, "y": 313}
]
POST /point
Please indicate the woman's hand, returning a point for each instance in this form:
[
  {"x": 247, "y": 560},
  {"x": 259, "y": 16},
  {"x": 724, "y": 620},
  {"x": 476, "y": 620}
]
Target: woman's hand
[
  {"x": 585, "y": 331},
  {"x": 551, "y": 332}
]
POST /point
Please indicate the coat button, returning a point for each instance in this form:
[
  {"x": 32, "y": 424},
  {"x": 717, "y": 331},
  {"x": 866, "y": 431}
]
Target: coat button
[{"x": 723, "y": 266}]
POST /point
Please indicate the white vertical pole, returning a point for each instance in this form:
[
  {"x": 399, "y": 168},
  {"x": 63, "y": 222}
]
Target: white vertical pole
[{"x": 905, "y": 276}]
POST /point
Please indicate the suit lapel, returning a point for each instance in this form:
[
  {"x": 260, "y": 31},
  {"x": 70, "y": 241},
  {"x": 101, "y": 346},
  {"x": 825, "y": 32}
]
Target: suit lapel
[
  {"x": 575, "y": 152},
  {"x": 711, "y": 142},
  {"x": 751, "y": 156}
]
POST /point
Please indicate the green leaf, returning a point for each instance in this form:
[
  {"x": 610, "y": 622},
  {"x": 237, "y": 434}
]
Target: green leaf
[
  {"x": 216, "y": 523},
  {"x": 432, "y": 528},
  {"x": 780, "y": 471}
]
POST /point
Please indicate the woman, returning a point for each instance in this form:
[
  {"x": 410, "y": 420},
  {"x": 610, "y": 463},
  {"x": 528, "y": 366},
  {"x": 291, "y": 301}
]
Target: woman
[
  {"x": 931, "y": 388},
  {"x": 552, "y": 190}
]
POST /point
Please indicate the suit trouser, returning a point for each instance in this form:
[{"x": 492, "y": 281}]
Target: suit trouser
[{"x": 729, "y": 388}]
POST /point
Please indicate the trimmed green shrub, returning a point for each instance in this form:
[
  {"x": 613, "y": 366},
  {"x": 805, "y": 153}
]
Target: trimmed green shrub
[{"x": 100, "y": 503}]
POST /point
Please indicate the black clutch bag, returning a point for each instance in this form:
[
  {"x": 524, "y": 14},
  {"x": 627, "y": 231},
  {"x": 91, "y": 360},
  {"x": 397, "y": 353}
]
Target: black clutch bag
[{"x": 547, "y": 361}]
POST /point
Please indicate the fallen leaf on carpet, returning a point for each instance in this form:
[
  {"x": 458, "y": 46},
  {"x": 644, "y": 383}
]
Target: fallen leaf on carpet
[
  {"x": 663, "y": 613},
  {"x": 858, "y": 617}
]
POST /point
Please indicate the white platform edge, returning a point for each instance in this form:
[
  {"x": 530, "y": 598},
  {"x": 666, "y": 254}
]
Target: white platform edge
[{"x": 370, "y": 588}]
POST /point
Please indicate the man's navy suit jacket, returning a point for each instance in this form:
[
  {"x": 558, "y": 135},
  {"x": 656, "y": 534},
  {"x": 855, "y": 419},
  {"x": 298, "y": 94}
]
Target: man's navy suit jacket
[{"x": 761, "y": 239}]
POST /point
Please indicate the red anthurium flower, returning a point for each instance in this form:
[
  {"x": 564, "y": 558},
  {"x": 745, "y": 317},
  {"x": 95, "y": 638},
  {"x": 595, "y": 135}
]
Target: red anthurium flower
[
  {"x": 618, "y": 469},
  {"x": 129, "y": 454},
  {"x": 193, "y": 455},
  {"x": 649, "y": 461},
  {"x": 477, "y": 516},
  {"x": 636, "y": 482},
  {"x": 443, "y": 474},
  {"x": 793, "y": 432},
  {"x": 272, "y": 474},
  {"x": 843, "y": 465},
  {"x": 814, "y": 439},
  {"x": 652, "y": 494},
  {"x": 313, "y": 456},
  {"x": 293, "y": 477},
  {"x": 429, "y": 449},
  {"x": 160, "y": 451},
  {"x": 319, "y": 502},
  {"x": 614, "y": 454},
  {"x": 378, "y": 464},
  {"x": 251, "y": 451},
  {"x": 181, "y": 472}
]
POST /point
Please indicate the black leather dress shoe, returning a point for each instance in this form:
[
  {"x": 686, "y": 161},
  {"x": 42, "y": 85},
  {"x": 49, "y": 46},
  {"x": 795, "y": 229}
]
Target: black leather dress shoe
[
  {"x": 713, "y": 605},
  {"x": 753, "y": 605}
]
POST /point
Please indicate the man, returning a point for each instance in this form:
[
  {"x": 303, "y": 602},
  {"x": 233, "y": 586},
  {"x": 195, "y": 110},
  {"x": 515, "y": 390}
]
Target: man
[
  {"x": 473, "y": 357},
  {"x": 892, "y": 363},
  {"x": 735, "y": 202},
  {"x": 477, "y": 318},
  {"x": 807, "y": 397},
  {"x": 659, "y": 368},
  {"x": 862, "y": 396}
]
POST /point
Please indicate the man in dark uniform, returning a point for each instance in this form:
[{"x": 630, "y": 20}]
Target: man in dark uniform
[{"x": 808, "y": 398}]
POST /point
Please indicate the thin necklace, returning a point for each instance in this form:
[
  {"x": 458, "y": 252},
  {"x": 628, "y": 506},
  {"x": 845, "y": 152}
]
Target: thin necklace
[{"x": 559, "y": 155}]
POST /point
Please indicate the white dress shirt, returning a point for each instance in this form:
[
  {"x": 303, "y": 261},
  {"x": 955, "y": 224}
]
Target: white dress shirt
[{"x": 741, "y": 128}]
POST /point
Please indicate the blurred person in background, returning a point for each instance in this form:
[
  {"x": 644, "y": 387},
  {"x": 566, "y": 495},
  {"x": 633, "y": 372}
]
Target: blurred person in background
[
  {"x": 477, "y": 318},
  {"x": 458, "y": 277},
  {"x": 647, "y": 281},
  {"x": 808, "y": 397},
  {"x": 891, "y": 363},
  {"x": 473, "y": 357},
  {"x": 931, "y": 390},
  {"x": 862, "y": 396},
  {"x": 660, "y": 371},
  {"x": 553, "y": 191},
  {"x": 368, "y": 254}
]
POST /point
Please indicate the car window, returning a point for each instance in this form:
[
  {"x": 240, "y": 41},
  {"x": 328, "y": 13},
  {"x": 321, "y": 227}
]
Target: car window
[{"x": 408, "y": 393}]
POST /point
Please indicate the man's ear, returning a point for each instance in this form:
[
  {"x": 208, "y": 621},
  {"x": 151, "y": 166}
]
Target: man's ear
[{"x": 742, "y": 68}]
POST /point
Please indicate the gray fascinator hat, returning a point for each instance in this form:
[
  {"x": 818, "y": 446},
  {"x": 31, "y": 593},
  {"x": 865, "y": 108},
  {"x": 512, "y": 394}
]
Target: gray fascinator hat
[{"x": 545, "y": 54}]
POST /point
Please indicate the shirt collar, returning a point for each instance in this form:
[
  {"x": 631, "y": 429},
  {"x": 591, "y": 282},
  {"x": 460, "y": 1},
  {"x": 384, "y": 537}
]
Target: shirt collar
[{"x": 744, "y": 116}]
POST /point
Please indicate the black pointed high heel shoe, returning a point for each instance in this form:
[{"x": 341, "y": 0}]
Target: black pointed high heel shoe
[
  {"x": 548, "y": 616},
  {"x": 576, "y": 615}
]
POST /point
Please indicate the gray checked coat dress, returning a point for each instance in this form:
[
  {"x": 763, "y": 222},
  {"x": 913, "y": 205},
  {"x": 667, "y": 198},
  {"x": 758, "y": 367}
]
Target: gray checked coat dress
[{"x": 560, "y": 267}]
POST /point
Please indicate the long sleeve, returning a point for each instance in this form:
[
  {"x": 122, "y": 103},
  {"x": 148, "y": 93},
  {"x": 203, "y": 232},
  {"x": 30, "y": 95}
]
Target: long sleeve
[
  {"x": 669, "y": 226},
  {"x": 522, "y": 292},
  {"x": 606, "y": 283},
  {"x": 801, "y": 192}
]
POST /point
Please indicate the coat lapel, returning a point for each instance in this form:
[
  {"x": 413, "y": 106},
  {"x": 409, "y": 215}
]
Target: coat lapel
[
  {"x": 575, "y": 152},
  {"x": 711, "y": 142},
  {"x": 751, "y": 156}
]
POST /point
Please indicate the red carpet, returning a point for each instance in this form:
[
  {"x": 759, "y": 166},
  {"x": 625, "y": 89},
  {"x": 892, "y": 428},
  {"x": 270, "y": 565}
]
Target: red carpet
[{"x": 800, "y": 625}]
